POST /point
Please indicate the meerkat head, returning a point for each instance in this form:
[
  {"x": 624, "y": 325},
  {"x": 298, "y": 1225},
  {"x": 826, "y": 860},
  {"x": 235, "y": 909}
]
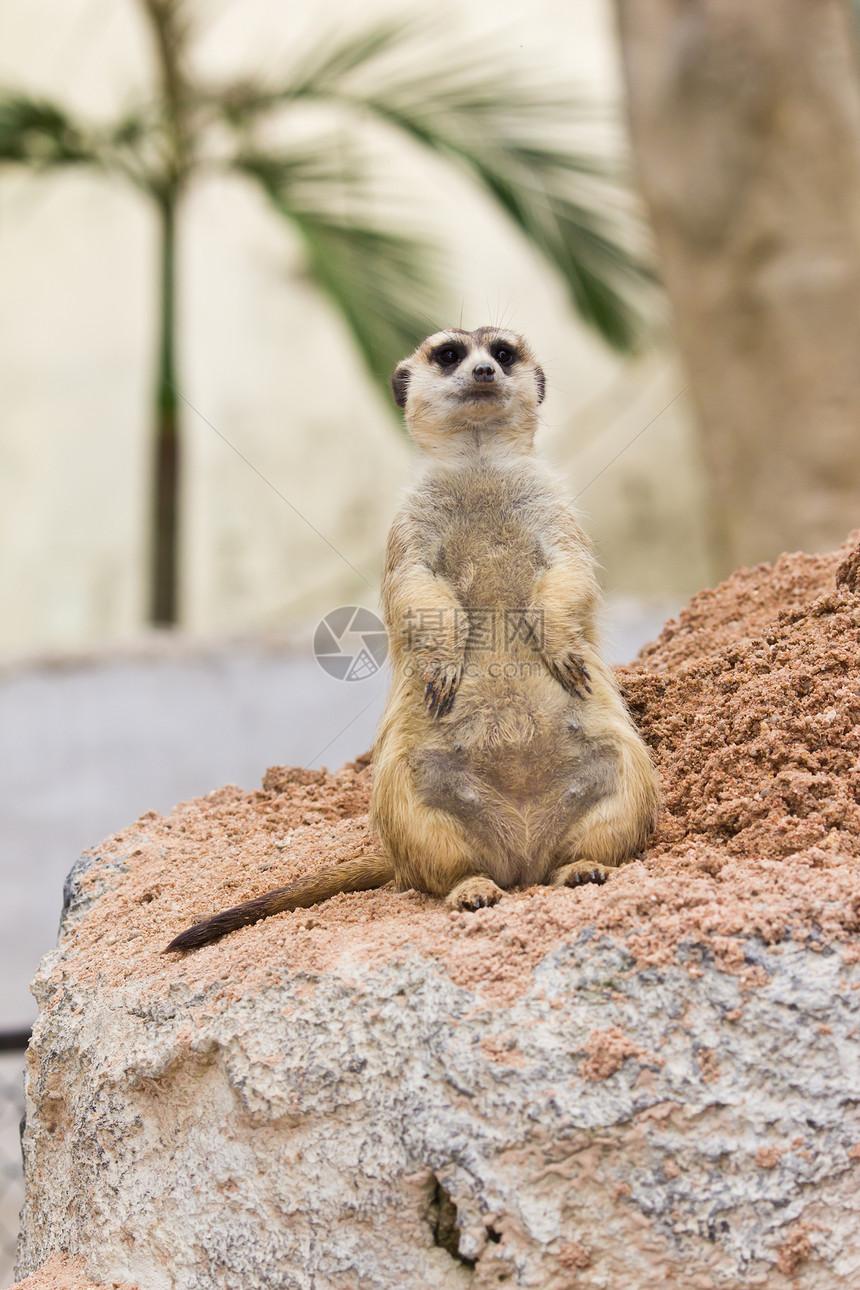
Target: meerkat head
[{"x": 459, "y": 382}]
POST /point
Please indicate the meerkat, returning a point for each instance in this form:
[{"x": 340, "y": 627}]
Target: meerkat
[{"x": 505, "y": 756}]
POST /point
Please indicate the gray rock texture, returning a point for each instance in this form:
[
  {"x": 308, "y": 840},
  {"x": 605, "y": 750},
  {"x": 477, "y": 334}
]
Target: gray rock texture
[{"x": 378, "y": 1126}]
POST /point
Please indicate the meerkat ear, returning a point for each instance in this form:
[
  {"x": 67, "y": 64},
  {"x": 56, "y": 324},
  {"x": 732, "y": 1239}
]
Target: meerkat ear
[
  {"x": 400, "y": 385},
  {"x": 541, "y": 383}
]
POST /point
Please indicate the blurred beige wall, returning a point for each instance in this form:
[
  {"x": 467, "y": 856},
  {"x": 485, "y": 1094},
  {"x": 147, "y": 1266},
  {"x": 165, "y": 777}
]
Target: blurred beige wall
[{"x": 266, "y": 362}]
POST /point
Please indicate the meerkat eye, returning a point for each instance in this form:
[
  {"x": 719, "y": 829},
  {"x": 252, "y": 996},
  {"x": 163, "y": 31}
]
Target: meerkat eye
[
  {"x": 447, "y": 356},
  {"x": 504, "y": 355}
]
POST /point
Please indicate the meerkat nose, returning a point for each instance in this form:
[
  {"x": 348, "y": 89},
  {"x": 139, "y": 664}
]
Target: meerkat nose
[{"x": 484, "y": 372}]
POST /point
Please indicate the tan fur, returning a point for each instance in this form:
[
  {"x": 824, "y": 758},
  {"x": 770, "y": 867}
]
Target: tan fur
[{"x": 497, "y": 763}]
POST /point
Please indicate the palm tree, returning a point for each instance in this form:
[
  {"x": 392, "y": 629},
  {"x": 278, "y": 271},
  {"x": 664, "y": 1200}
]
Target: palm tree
[{"x": 481, "y": 113}]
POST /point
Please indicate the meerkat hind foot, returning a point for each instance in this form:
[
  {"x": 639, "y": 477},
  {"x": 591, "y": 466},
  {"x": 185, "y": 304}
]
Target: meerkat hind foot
[
  {"x": 580, "y": 871},
  {"x": 474, "y": 893}
]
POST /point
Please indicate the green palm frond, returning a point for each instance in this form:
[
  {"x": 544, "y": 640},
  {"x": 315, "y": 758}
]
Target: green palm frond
[
  {"x": 586, "y": 235},
  {"x": 570, "y": 204},
  {"x": 318, "y": 71},
  {"x": 382, "y": 281},
  {"x": 514, "y": 135},
  {"x": 40, "y": 134},
  {"x": 43, "y": 136},
  {"x": 334, "y": 56}
]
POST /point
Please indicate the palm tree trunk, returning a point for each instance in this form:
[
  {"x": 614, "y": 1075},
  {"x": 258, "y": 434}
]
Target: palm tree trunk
[{"x": 165, "y": 534}]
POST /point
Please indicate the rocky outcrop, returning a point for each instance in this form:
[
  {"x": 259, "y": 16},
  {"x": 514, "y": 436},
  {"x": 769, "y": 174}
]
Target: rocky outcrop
[
  {"x": 380, "y": 1124},
  {"x": 656, "y": 1082}
]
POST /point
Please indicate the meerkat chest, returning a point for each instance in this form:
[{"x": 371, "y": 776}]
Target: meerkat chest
[{"x": 488, "y": 533}]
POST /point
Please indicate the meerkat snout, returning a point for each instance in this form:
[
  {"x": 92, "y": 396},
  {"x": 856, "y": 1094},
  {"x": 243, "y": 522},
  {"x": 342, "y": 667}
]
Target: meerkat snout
[{"x": 484, "y": 372}]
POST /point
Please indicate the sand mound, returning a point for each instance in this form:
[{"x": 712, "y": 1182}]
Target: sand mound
[
  {"x": 750, "y": 701},
  {"x": 744, "y": 605}
]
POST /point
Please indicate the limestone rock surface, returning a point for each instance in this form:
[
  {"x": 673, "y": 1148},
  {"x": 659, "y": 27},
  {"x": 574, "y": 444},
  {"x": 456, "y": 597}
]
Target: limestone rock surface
[{"x": 381, "y": 1125}]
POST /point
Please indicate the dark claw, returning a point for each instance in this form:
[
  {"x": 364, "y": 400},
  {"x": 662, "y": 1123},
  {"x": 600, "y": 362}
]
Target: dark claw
[
  {"x": 572, "y": 674},
  {"x": 593, "y": 875},
  {"x": 576, "y": 669},
  {"x": 439, "y": 694}
]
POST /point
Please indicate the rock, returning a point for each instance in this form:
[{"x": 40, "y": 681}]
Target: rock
[
  {"x": 651, "y": 1083},
  {"x": 379, "y": 1124}
]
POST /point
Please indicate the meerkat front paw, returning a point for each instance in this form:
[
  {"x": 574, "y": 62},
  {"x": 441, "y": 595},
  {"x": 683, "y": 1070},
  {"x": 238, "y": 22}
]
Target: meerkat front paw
[
  {"x": 442, "y": 680},
  {"x": 569, "y": 670},
  {"x": 474, "y": 893},
  {"x": 580, "y": 871}
]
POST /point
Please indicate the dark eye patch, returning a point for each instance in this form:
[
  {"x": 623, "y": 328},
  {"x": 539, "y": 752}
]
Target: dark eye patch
[
  {"x": 505, "y": 354},
  {"x": 448, "y": 355}
]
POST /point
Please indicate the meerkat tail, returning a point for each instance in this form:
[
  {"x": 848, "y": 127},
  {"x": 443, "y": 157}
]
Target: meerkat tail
[{"x": 362, "y": 874}]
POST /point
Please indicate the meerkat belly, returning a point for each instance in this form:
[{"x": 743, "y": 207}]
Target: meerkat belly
[
  {"x": 511, "y": 762},
  {"x": 513, "y": 765},
  {"x": 514, "y": 797}
]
